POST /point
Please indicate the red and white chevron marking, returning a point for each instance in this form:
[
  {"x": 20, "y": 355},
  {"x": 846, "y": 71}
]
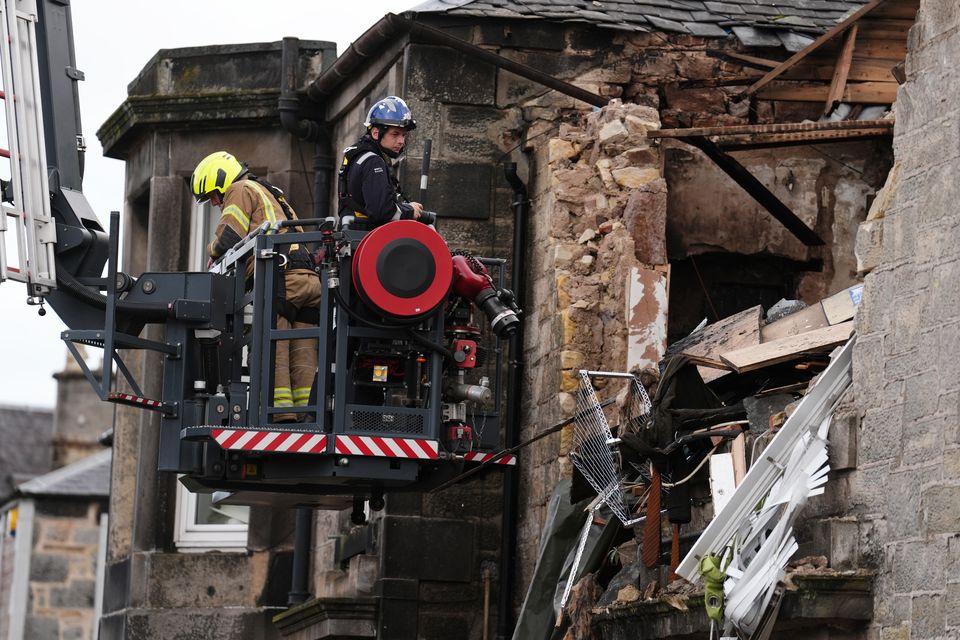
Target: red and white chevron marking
[
  {"x": 282, "y": 441},
  {"x": 129, "y": 399},
  {"x": 387, "y": 447},
  {"x": 479, "y": 456}
]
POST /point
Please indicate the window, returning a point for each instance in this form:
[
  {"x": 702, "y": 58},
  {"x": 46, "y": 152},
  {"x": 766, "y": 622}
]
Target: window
[
  {"x": 202, "y": 525},
  {"x": 204, "y": 224}
]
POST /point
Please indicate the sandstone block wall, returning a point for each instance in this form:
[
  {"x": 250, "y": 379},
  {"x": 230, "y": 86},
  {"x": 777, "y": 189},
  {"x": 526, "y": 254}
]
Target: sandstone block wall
[
  {"x": 66, "y": 537},
  {"x": 906, "y": 491},
  {"x": 598, "y": 279}
]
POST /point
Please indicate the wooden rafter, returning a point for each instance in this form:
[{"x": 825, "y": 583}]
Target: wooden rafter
[
  {"x": 839, "y": 82},
  {"x": 741, "y": 137},
  {"x": 813, "y": 46},
  {"x": 780, "y": 127}
]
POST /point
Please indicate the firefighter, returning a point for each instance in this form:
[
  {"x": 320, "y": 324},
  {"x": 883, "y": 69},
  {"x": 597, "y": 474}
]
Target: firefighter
[
  {"x": 246, "y": 201},
  {"x": 368, "y": 188}
]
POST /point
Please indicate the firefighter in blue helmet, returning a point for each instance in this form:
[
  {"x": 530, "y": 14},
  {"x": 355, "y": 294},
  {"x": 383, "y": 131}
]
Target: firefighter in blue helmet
[{"x": 368, "y": 188}]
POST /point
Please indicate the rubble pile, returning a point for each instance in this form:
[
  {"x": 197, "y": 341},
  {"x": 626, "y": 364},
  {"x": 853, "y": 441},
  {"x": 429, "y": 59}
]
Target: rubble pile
[{"x": 724, "y": 390}]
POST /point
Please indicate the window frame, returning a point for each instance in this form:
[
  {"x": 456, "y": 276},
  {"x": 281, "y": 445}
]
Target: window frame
[{"x": 193, "y": 536}]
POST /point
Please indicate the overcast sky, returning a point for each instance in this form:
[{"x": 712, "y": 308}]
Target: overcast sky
[{"x": 113, "y": 41}]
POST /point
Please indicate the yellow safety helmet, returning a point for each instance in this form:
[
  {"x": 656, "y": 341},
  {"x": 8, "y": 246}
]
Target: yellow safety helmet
[{"x": 214, "y": 174}]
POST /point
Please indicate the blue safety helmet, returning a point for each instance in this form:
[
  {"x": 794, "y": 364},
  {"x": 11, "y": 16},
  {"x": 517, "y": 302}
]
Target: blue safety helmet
[{"x": 390, "y": 112}]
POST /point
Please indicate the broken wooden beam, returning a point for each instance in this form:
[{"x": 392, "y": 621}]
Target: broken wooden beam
[
  {"x": 763, "y": 141},
  {"x": 728, "y": 334},
  {"x": 789, "y": 348},
  {"x": 839, "y": 82}
]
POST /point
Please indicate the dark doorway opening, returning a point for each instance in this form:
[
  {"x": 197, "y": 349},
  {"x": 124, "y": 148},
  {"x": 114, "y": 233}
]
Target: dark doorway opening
[{"x": 717, "y": 285}]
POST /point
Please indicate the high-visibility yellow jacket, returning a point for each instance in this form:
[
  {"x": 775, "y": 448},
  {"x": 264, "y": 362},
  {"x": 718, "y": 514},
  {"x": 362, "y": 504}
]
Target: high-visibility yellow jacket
[{"x": 246, "y": 205}]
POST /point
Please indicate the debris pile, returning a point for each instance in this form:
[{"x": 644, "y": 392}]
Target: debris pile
[{"x": 722, "y": 395}]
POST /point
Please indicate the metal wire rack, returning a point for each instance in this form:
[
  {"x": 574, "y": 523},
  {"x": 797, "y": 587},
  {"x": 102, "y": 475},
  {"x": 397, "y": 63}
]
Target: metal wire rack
[{"x": 593, "y": 451}]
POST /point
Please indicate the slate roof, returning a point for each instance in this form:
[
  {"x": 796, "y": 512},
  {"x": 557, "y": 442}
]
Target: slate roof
[
  {"x": 754, "y": 22},
  {"x": 89, "y": 477},
  {"x": 27, "y": 436}
]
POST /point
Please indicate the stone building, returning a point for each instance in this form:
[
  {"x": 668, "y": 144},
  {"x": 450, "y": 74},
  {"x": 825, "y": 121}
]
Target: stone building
[
  {"x": 901, "y": 502},
  {"x": 169, "y": 551},
  {"x": 629, "y": 228},
  {"x": 54, "y": 534},
  {"x": 53, "y": 500},
  {"x": 619, "y": 221}
]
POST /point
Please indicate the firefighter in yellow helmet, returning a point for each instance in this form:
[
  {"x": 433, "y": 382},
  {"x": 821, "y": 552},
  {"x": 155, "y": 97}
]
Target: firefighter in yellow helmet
[{"x": 246, "y": 201}]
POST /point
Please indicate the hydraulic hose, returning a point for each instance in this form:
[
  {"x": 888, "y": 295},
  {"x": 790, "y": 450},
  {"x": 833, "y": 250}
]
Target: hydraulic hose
[
  {"x": 416, "y": 337},
  {"x": 147, "y": 311}
]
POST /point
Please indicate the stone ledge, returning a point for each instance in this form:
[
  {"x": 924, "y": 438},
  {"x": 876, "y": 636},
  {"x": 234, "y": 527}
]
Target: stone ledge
[
  {"x": 329, "y": 619},
  {"x": 839, "y": 600},
  {"x": 234, "y": 109}
]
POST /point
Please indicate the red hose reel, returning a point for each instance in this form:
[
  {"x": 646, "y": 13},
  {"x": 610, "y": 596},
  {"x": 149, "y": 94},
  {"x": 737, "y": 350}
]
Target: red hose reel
[{"x": 403, "y": 270}]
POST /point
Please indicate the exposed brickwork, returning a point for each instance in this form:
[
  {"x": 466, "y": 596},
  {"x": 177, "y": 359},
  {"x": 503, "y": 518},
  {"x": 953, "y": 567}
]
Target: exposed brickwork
[{"x": 907, "y": 488}]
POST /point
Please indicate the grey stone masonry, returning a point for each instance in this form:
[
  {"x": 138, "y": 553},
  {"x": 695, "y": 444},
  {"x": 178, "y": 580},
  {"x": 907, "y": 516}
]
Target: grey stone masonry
[
  {"x": 63, "y": 573},
  {"x": 907, "y": 485}
]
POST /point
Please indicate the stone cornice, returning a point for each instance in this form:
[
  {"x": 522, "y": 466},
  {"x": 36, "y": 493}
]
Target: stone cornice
[
  {"x": 330, "y": 618},
  {"x": 229, "y": 109}
]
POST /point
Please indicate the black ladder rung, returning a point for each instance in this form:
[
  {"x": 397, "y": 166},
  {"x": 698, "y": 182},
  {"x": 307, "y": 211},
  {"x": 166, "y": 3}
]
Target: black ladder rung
[{"x": 97, "y": 338}]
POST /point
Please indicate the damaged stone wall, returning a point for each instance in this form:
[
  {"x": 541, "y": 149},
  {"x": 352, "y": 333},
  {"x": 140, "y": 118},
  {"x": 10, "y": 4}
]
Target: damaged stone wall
[
  {"x": 598, "y": 274},
  {"x": 610, "y": 210},
  {"x": 905, "y": 493},
  {"x": 829, "y": 187},
  {"x": 598, "y": 279}
]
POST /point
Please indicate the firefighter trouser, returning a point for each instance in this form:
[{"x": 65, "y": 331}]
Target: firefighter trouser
[{"x": 296, "y": 360}]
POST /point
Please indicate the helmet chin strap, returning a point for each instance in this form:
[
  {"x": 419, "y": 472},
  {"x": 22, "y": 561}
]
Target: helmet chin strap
[{"x": 390, "y": 153}]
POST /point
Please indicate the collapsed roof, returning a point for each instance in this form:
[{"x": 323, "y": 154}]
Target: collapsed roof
[{"x": 769, "y": 23}]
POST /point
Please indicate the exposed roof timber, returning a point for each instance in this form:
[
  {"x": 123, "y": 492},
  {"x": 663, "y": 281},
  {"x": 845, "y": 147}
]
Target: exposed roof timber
[
  {"x": 392, "y": 26},
  {"x": 859, "y": 92},
  {"x": 743, "y": 59},
  {"x": 760, "y": 136},
  {"x": 839, "y": 82},
  {"x": 773, "y": 140},
  {"x": 781, "y": 127},
  {"x": 816, "y": 44},
  {"x": 757, "y": 190}
]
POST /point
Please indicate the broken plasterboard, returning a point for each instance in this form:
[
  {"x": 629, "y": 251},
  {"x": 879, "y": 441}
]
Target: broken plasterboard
[{"x": 646, "y": 313}]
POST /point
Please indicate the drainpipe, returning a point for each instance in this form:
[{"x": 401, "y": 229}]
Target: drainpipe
[
  {"x": 299, "y": 591},
  {"x": 323, "y": 166},
  {"x": 305, "y": 130},
  {"x": 508, "y": 535},
  {"x": 309, "y": 130},
  {"x": 289, "y": 103}
]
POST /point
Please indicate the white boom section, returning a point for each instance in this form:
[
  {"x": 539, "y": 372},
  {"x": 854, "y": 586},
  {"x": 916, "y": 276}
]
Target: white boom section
[{"x": 34, "y": 230}]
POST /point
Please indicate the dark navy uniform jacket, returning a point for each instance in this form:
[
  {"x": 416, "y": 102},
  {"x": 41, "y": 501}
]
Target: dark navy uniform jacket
[{"x": 372, "y": 191}]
